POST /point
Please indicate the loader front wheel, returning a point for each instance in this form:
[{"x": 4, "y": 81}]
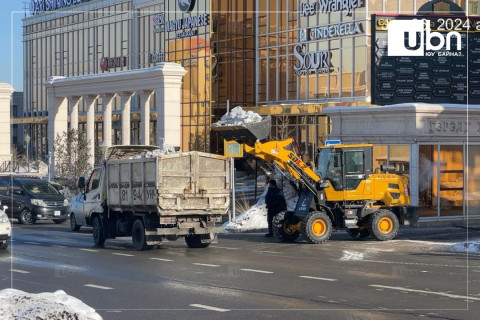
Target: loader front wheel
[
  {"x": 383, "y": 225},
  {"x": 317, "y": 227},
  {"x": 283, "y": 228}
]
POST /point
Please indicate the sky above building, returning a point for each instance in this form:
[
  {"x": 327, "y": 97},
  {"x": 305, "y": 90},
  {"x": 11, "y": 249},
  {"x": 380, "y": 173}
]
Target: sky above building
[{"x": 11, "y": 51}]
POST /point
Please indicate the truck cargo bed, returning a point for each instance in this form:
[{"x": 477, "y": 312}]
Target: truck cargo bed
[{"x": 185, "y": 183}]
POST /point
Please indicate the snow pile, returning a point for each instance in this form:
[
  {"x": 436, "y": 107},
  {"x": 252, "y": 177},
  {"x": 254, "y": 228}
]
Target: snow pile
[
  {"x": 157, "y": 152},
  {"x": 472, "y": 246},
  {"x": 237, "y": 117},
  {"x": 256, "y": 216},
  {"x": 19, "y": 305}
]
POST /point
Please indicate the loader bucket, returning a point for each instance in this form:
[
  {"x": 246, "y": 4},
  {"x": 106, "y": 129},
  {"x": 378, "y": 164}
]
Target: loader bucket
[{"x": 247, "y": 133}]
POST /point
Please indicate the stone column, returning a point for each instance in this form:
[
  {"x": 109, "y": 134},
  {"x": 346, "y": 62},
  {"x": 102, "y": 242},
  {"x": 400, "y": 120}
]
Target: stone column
[
  {"x": 6, "y": 91},
  {"x": 414, "y": 172},
  {"x": 168, "y": 105},
  {"x": 145, "y": 98},
  {"x": 57, "y": 123},
  {"x": 125, "y": 99},
  {"x": 90, "y": 102},
  {"x": 74, "y": 102},
  {"x": 107, "y": 101}
]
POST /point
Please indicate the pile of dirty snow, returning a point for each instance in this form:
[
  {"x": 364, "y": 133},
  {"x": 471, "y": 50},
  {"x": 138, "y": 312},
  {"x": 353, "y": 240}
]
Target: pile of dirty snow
[
  {"x": 168, "y": 149},
  {"x": 237, "y": 117},
  {"x": 255, "y": 217},
  {"x": 472, "y": 246},
  {"x": 19, "y": 305}
]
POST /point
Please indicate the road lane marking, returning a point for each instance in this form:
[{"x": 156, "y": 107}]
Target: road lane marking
[
  {"x": 19, "y": 271},
  {"x": 225, "y": 248},
  {"x": 97, "y": 287},
  {"x": 317, "y": 278},
  {"x": 274, "y": 252},
  {"x": 258, "y": 271},
  {"x": 161, "y": 259},
  {"x": 202, "y": 306},
  {"x": 123, "y": 254},
  {"x": 443, "y": 294},
  {"x": 57, "y": 246},
  {"x": 31, "y": 242},
  {"x": 89, "y": 250},
  {"x": 421, "y": 264},
  {"x": 206, "y": 265}
]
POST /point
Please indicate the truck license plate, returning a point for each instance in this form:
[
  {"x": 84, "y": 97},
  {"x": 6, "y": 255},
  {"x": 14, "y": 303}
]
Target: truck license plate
[{"x": 56, "y": 213}]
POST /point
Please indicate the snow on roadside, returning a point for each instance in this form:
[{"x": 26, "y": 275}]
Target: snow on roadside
[
  {"x": 19, "y": 305},
  {"x": 255, "y": 217},
  {"x": 472, "y": 246},
  {"x": 237, "y": 117}
]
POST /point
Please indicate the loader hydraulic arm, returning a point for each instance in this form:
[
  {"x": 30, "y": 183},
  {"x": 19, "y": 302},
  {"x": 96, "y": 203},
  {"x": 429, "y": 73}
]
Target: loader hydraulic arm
[{"x": 277, "y": 152}]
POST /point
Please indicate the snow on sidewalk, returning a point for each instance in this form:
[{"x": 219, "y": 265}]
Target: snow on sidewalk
[
  {"x": 19, "y": 305},
  {"x": 472, "y": 246}
]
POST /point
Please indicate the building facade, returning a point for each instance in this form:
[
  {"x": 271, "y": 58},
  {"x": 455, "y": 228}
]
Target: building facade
[{"x": 286, "y": 58}]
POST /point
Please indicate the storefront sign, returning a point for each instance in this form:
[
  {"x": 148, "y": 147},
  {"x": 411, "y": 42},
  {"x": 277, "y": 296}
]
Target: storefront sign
[
  {"x": 40, "y": 6},
  {"x": 311, "y": 62},
  {"x": 330, "y": 32},
  {"x": 156, "y": 57},
  {"x": 329, "y": 6},
  {"x": 441, "y": 64},
  {"x": 184, "y": 27},
  {"x": 108, "y": 63}
]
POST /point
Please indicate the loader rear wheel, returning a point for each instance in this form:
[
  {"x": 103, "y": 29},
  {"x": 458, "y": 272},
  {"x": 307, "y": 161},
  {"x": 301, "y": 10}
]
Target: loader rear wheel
[
  {"x": 358, "y": 233},
  {"x": 282, "y": 227},
  {"x": 383, "y": 225},
  {"x": 196, "y": 241},
  {"x": 139, "y": 237},
  {"x": 98, "y": 234},
  {"x": 317, "y": 227}
]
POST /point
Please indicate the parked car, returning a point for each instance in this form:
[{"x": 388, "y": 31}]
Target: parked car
[
  {"x": 5, "y": 228},
  {"x": 77, "y": 213},
  {"x": 32, "y": 199}
]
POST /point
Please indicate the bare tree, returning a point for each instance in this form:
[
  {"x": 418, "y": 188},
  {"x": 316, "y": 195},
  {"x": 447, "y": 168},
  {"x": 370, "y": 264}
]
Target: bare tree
[
  {"x": 71, "y": 158},
  {"x": 282, "y": 126}
]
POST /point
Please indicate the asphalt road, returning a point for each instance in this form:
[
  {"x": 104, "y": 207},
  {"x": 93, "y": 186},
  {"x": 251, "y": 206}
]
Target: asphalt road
[{"x": 247, "y": 276}]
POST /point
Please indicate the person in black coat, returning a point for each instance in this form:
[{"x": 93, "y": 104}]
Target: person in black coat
[{"x": 275, "y": 201}]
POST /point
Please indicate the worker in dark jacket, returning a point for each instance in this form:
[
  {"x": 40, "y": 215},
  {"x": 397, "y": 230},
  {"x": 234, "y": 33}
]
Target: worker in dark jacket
[{"x": 275, "y": 202}]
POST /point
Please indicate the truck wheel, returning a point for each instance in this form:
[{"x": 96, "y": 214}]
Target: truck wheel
[
  {"x": 357, "y": 233},
  {"x": 383, "y": 225},
  {"x": 281, "y": 227},
  {"x": 317, "y": 227},
  {"x": 98, "y": 234},
  {"x": 195, "y": 241},
  {"x": 73, "y": 223},
  {"x": 4, "y": 245},
  {"x": 26, "y": 217},
  {"x": 139, "y": 237}
]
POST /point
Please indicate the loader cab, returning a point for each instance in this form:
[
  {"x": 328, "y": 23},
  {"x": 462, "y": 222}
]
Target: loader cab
[{"x": 344, "y": 167}]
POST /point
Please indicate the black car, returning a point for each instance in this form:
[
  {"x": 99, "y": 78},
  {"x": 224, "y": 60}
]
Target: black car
[{"x": 31, "y": 199}]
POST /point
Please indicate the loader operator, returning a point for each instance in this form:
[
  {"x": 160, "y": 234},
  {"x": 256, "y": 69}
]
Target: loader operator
[{"x": 275, "y": 202}]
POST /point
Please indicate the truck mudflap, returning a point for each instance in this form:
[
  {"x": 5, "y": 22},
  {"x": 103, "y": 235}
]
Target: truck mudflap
[{"x": 187, "y": 231}]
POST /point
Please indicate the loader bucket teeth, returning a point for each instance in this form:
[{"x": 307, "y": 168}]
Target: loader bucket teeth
[{"x": 247, "y": 133}]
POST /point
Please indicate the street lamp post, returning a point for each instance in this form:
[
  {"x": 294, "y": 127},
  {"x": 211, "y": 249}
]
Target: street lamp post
[{"x": 27, "y": 141}]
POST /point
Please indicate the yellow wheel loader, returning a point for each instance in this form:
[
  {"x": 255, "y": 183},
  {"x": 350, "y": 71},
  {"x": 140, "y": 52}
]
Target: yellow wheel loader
[{"x": 342, "y": 192}]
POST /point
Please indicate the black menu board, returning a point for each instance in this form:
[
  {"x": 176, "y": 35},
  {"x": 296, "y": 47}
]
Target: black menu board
[{"x": 444, "y": 75}]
